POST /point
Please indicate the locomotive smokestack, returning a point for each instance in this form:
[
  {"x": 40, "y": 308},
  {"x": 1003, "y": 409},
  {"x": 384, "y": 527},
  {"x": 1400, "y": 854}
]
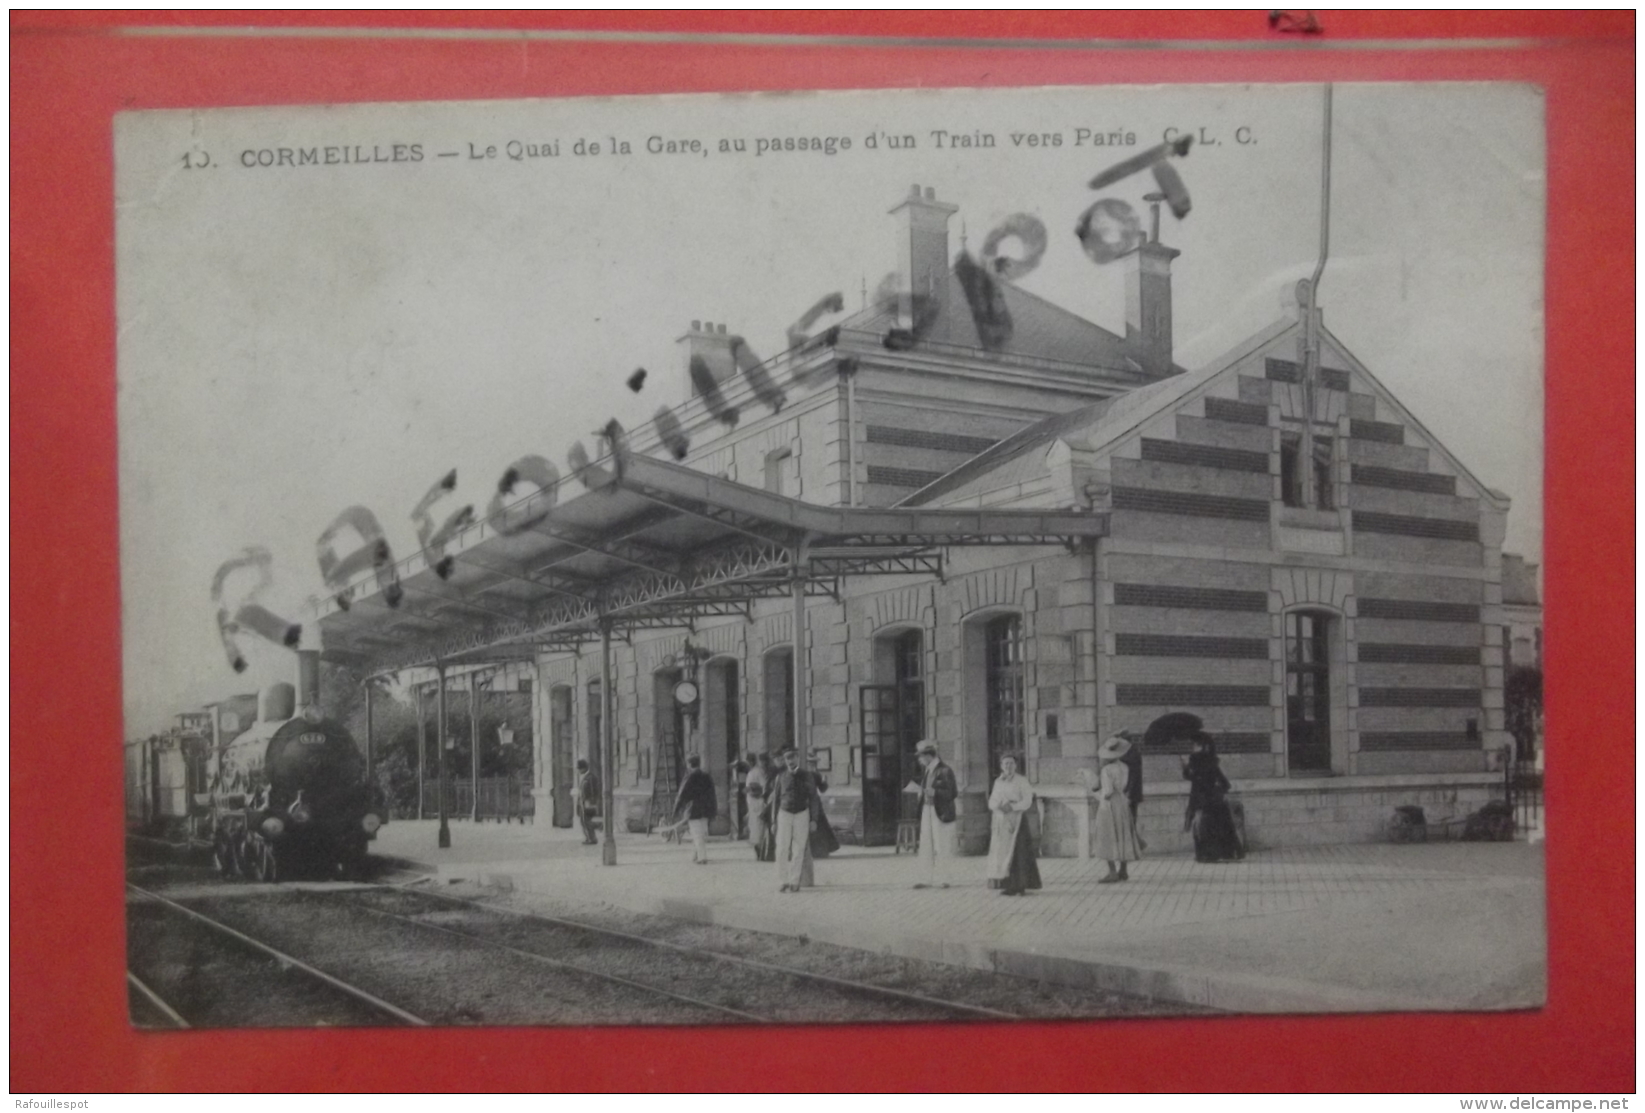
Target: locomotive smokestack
[
  {"x": 308, "y": 679},
  {"x": 274, "y": 703}
]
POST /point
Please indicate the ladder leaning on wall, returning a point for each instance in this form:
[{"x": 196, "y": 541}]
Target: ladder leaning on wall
[{"x": 665, "y": 782}]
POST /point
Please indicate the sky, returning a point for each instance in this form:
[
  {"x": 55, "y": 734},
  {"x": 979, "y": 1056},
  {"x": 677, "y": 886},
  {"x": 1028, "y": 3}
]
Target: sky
[{"x": 296, "y": 339}]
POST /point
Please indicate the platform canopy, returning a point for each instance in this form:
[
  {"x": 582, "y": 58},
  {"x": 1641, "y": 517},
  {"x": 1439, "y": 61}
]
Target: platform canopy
[{"x": 645, "y": 544}]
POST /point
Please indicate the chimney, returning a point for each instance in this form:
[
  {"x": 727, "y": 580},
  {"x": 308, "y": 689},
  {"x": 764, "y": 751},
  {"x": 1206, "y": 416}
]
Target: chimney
[
  {"x": 922, "y": 253},
  {"x": 1148, "y": 299},
  {"x": 308, "y": 679},
  {"x": 708, "y": 353}
]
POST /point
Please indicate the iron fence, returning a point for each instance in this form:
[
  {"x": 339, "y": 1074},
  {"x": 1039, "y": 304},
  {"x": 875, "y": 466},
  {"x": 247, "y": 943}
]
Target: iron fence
[
  {"x": 504, "y": 799},
  {"x": 1522, "y": 791}
]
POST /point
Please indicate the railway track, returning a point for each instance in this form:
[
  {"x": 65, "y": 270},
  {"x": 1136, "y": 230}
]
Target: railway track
[
  {"x": 154, "y": 1002},
  {"x": 284, "y": 961},
  {"x": 948, "y": 1009},
  {"x": 594, "y": 974},
  {"x": 573, "y": 968}
]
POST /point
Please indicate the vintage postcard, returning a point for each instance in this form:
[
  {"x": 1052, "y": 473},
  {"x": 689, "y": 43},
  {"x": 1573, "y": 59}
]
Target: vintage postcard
[{"x": 884, "y": 556}]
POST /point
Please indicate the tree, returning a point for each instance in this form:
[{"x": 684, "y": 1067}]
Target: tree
[
  {"x": 394, "y": 714},
  {"x": 396, "y": 777},
  {"x": 1522, "y": 697}
]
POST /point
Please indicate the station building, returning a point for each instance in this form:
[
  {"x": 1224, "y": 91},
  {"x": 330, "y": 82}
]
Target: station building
[{"x": 1323, "y": 588}]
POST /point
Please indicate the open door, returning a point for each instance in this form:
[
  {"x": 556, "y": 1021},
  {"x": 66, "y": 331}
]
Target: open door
[
  {"x": 881, "y": 764},
  {"x": 562, "y": 770},
  {"x": 893, "y": 716}
]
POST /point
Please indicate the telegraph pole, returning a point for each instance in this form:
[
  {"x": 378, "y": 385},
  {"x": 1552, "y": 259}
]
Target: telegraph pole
[{"x": 1311, "y": 322}]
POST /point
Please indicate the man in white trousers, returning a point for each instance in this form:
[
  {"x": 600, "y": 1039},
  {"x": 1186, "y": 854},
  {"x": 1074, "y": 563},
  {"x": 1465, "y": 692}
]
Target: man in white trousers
[
  {"x": 696, "y": 799},
  {"x": 794, "y": 791}
]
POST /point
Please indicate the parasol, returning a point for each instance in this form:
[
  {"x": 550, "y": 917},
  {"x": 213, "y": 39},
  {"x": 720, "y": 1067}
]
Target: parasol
[{"x": 1174, "y": 727}]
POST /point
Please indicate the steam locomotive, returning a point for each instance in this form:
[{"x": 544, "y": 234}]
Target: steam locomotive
[
  {"x": 291, "y": 796},
  {"x": 287, "y": 795}
]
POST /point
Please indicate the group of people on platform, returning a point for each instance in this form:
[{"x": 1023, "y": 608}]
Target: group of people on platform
[{"x": 782, "y": 805}]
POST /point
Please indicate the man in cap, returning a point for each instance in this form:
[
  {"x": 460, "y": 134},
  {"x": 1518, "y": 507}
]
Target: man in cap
[
  {"x": 587, "y": 801},
  {"x": 792, "y": 795},
  {"x": 696, "y": 799},
  {"x": 938, "y": 831}
]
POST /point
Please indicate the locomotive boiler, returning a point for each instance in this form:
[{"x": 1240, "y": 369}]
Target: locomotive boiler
[{"x": 290, "y": 794}]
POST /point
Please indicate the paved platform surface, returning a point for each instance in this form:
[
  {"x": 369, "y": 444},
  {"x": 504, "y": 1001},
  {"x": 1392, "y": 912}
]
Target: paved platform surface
[{"x": 1448, "y": 926}]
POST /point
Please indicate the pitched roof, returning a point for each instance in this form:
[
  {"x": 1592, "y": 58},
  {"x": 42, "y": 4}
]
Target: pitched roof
[
  {"x": 1039, "y": 329},
  {"x": 1095, "y": 424}
]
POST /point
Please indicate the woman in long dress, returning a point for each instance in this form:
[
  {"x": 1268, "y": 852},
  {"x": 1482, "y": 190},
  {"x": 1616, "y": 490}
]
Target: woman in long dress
[
  {"x": 1209, "y": 818},
  {"x": 1116, "y": 830},
  {"x": 822, "y": 841},
  {"x": 1011, "y": 865}
]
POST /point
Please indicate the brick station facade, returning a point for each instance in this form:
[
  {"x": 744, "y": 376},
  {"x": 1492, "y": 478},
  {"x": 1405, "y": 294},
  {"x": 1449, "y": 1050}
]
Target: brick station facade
[{"x": 1341, "y": 638}]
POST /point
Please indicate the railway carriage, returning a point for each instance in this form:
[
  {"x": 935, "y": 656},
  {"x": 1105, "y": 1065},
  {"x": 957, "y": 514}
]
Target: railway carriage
[{"x": 163, "y": 775}]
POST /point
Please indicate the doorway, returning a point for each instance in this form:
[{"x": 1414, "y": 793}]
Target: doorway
[
  {"x": 722, "y": 738},
  {"x": 561, "y": 746},
  {"x": 893, "y": 722},
  {"x": 669, "y": 740},
  {"x": 779, "y": 699}
]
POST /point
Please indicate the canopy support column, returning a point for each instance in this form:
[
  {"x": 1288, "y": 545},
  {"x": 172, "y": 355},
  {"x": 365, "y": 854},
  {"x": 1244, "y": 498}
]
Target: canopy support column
[
  {"x": 367, "y": 685},
  {"x": 474, "y": 741},
  {"x": 422, "y": 749},
  {"x": 608, "y": 751},
  {"x": 441, "y": 743}
]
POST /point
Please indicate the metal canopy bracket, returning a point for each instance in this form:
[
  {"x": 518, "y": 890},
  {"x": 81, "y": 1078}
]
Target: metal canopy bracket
[{"x": 765, "y": 545}]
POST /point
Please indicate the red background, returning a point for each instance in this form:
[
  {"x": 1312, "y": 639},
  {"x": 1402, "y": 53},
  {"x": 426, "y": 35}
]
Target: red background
[{"x": 72, "y": 72}]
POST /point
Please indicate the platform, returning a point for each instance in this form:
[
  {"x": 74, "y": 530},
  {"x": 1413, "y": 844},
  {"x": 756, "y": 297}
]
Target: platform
[{"x": 1455, "y": 926}]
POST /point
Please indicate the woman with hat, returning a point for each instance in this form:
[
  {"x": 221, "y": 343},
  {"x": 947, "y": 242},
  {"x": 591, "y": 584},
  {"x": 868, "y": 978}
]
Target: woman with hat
[
  {"x": 761, "y": 825},
  {"x": 1116, "y": 830},
  {"x": 1011, "y": 865},
  {"x": 823, "y": 840},
  {"x": 1209, "y": 817}
]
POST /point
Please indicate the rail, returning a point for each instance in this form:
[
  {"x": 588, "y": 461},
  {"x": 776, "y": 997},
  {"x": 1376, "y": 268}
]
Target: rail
[
  {"x": 286, "y": 960},
  {"x": 156, "y": 1001},
  {"x": 862, "y": 988},
  {"x": 569, "y": 967}
]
